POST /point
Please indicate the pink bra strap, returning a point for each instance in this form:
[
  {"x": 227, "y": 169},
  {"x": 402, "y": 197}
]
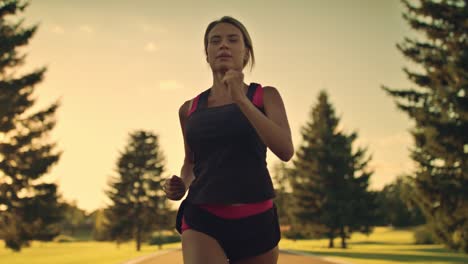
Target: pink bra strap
[
  {"x": 258, "y": 96},
  {"x": 194, "y": 105}
]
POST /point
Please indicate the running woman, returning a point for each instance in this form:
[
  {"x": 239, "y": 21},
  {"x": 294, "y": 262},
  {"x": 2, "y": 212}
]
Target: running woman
[{"x": 228, "y": 215}]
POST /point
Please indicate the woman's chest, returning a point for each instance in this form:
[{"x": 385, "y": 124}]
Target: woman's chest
[{"x": 224, "y": 123}]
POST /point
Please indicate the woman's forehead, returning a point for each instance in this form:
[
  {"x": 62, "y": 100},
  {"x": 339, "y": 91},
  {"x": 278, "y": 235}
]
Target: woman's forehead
[{"x": 224, "y": 29}]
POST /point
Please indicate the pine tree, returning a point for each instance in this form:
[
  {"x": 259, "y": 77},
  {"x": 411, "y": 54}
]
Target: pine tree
[
  {"x": 329, "y": 180},
  {"x": 439, "y": 107},
  {"x": 29, "y": 207},
  {"x": 360, "y": 204},
  {"x": 138, "y": 202}
]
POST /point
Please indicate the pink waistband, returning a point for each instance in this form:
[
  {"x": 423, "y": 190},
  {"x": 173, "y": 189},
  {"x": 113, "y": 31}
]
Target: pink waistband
[{"x": 237, "y": 211}]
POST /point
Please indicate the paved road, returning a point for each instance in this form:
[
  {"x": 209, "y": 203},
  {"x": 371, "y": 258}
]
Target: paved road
[{"x": 175, "y": 257}]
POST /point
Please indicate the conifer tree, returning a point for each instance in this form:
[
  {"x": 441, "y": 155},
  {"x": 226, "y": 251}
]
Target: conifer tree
[
  {"x": 438, "y": 105},
  {"x": 138, "y": 204},
  {"x": 329, "y": 180},
  {"x": 29, "y": 207}
]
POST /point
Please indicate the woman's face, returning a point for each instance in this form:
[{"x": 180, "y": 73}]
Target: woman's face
[{"x": 226, "y": 49}]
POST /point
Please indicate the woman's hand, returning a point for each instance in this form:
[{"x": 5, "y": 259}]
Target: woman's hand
[
  {"x": 174, "y": 188},
  {"x": 234, "y": 82}
]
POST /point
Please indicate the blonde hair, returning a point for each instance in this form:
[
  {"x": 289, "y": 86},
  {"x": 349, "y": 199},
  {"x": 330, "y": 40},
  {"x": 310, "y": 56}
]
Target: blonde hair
[{"x": 243, "y": 30}]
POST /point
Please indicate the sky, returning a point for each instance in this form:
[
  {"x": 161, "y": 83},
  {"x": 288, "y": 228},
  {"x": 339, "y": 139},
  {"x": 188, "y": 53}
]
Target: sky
[{"x": 119, "y": 66}]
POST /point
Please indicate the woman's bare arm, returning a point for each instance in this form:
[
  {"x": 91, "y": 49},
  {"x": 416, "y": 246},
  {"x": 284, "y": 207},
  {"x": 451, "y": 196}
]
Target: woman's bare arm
[
  {"x": 186, "y": 172},
  {"x": 273, "y": 128}
]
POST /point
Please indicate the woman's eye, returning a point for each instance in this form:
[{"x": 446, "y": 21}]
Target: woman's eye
[{"x": 215, "y": 41}]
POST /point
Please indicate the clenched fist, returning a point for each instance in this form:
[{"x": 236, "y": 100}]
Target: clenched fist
[
  {"x": 234, "y": 82},
  {"x": 174, "y": 188}
]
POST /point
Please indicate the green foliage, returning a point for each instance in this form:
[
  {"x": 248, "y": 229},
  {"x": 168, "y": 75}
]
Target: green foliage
[
  {"x": 138, "y": 204},
  {"x": 284, "y": 197},
  {"x": 439, "y": 108},
  {"x": 330, "y": 179},
  {"x": 63, "y": 239},
  {"x": 29, "y": 207},
  {"x": 76, "y": 222},
  {"x": 158, "y": 238},
  {"x": 423, "y": 236},
  {"x": 396, "y": 207},
  {"x": 100, "y": 223},
  {"x": 300, "y": 232}
]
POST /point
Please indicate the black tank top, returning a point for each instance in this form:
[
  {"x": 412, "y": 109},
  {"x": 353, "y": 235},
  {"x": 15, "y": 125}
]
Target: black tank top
[{"x": 229, "y": 156}]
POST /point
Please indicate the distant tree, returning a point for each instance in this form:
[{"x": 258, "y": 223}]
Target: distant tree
[
  {"x": 76, "y": 221},
  {"x": 439, "y": 108},
  {"x": 138, "y": 203},
  {"x": 396, "y": 205},
  {"x": 330, "y": 180},
  {"x": 100, "y": 233},
  {"x": 29, "y": 207}
]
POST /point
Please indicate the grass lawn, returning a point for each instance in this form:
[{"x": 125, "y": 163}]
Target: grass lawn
[
  {"x": 384, "y": 246},
  {"x": 76, "y": 253}
]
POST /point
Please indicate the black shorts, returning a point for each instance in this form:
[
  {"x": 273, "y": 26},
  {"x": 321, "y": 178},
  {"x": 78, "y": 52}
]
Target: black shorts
[{"x": 240, "y": 238}]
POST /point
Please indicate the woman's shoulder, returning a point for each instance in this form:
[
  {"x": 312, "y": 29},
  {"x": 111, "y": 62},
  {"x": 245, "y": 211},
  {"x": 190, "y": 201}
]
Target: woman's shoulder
[
  {"x": 270, "y": 92},
  {"x": 186, "y": 107}
]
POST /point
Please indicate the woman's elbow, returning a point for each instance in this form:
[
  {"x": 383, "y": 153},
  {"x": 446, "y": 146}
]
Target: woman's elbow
[{"x": 287, "y": 154}]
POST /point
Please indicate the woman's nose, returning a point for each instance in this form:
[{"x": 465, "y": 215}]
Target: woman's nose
[{"x": 224, "y": 43}]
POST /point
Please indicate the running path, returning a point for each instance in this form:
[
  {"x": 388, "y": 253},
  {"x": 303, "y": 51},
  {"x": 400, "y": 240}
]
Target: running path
[{"x": 175, "y": 257}]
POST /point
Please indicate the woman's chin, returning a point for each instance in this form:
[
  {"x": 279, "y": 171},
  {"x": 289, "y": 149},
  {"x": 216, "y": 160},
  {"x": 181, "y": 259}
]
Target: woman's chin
[
  {"x": 221, "y": 68},
  {"x": 224, "y": 67}
]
